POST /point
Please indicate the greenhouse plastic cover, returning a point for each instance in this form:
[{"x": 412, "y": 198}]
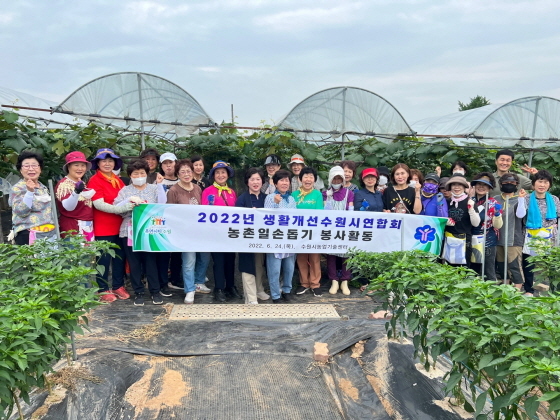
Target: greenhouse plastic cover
[
  {"x": 15, "y": 98},
  {"x": 345, "y": 109},
  {"x": 531, "y": 121},
  {"x": 133, "y": 100}
]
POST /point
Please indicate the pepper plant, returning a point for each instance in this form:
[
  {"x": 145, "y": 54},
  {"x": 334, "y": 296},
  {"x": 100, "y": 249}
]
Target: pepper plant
[
  {"x": 504, "y": 347},
  {"x": 43, "y": 298}
]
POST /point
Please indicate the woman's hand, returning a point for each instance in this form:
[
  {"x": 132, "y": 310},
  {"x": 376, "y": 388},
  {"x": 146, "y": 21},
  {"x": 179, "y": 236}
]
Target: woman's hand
[
  {"x": 522, "y": 192},
  {"x": 277, "y": 198},
  {"x": 31, "y": 185},
  {"x": 159, "y": 178}
]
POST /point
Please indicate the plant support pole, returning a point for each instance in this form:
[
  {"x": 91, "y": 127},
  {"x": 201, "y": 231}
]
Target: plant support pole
[
  {"x": 484, "y": 240},
  {"x": 506, "y": 238}
]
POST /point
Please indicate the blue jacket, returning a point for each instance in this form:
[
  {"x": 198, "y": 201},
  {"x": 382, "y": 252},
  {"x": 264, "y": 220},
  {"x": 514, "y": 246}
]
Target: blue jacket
[
  {"x": 436, "y": 205},
  {"x": 375, "y": 200}
]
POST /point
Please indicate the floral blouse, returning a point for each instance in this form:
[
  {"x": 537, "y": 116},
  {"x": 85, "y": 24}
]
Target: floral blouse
[{"x": 40, "y": 212}]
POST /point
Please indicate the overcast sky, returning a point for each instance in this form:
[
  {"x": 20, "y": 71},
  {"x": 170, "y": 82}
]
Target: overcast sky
[{"x": 266, "y": 56}]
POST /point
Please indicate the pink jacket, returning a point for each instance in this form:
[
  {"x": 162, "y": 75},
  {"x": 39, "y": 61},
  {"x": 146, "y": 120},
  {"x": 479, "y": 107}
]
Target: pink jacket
[{"x": 225, "y": 199}]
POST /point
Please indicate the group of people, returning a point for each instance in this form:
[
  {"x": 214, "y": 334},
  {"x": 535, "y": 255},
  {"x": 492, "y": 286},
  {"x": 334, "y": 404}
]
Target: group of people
[{"x": 476, "y": 234}]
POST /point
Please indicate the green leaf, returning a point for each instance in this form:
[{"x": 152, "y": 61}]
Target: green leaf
[
  {"x": 454, "y": 379},
  {"x": 500, "y": 402},
  {"x": 485, "y": 360},
  {"x": 547, "y": 396},
  {"x": 522, "y": 389},
  {"x": 10, "y": 117},
  {"x": 17, "y": 144},
  {"x": 554, "y": 405},
  {"x": 480, "y": 402},
  {"x": 531, "y": 406}
]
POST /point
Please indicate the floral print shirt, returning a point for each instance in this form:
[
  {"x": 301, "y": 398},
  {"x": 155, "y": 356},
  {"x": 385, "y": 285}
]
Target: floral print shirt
[{"x": 40, "y": 212}]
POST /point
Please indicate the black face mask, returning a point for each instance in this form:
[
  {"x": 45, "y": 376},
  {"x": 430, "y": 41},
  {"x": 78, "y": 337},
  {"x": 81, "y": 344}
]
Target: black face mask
[{"x": 508, "y": 188}]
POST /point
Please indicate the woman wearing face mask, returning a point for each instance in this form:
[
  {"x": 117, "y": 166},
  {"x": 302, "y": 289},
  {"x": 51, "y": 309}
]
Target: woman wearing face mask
[
  {"x": 399, "y": 197},
  {"x": 433, "y": 202},
  {"x": 416, "y": 177},
  {"x": 459, "y": 167},
  {"x": 107, "y": 222},
  {"x": 338, "y": 197},
  {"x": 140, "y": 192},
  {"x": 384, "y": 175},
  {"x": 513, "y": 230},
  {"x": 30, "y": 201},
  {"x": 73, "y": 200},
  {"x": 251, "y": 264},
  {"x": 490, "y": 212},
  {"x": 186, "y": 192},
  {"x": 307, "y": 197},
  {"x": 458, "y": 232}
]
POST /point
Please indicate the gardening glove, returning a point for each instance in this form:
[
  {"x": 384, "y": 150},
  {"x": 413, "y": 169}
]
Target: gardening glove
[
  {"x": 79, "y": 187},
  {"x": 497, "y": 210}
]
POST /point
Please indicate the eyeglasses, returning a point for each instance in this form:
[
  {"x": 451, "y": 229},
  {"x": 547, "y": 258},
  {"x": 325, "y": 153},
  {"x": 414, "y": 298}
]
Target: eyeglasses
[{"x": 29, "y": 166}]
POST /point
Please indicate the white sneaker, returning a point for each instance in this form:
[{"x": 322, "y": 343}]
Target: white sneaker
[
  {"x": 189, "y": 299},
  {"x": 201, "y": 288},
  {"x": 172, "y": 286},
  {"x": 262, "y": 296},
  {"x": 253, "y": 303}
]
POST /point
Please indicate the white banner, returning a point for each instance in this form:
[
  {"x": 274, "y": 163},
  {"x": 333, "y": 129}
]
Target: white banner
[{"x": 192, "y": 228}]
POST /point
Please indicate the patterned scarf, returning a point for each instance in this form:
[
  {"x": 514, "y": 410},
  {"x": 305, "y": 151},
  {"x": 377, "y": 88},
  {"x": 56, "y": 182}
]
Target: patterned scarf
[
  {"x": 113, "y": 179},
  {"x": 284, "y": 196},
  {"x": 220, "y": 188},
  {"x": 303, "y": 194},
  {"x": 455, "y": 199}
]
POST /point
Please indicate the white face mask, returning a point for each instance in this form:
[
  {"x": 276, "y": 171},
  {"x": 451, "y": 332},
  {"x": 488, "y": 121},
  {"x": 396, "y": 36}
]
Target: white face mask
[
  {"x": 116, "y": 171},
  {"x": 336, "y": 186},
  {"x": 139, "y": 181},
  {"x": 87, "y": 194},
  {"x": 412, "y": 183},
  {"x": 383, "y": 180},
  {"x": 459, "y": 171}
]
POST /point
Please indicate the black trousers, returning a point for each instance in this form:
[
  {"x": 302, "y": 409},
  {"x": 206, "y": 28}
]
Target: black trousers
[
  {"x": 224, "y": 269},
  {"x": 22, "y": 237},
  {"x": 528, "y": 274},
  {"x": 166, "y": 261},
  {"x": 135, "y": 260},
  {"x": 489, "y": 264}
]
